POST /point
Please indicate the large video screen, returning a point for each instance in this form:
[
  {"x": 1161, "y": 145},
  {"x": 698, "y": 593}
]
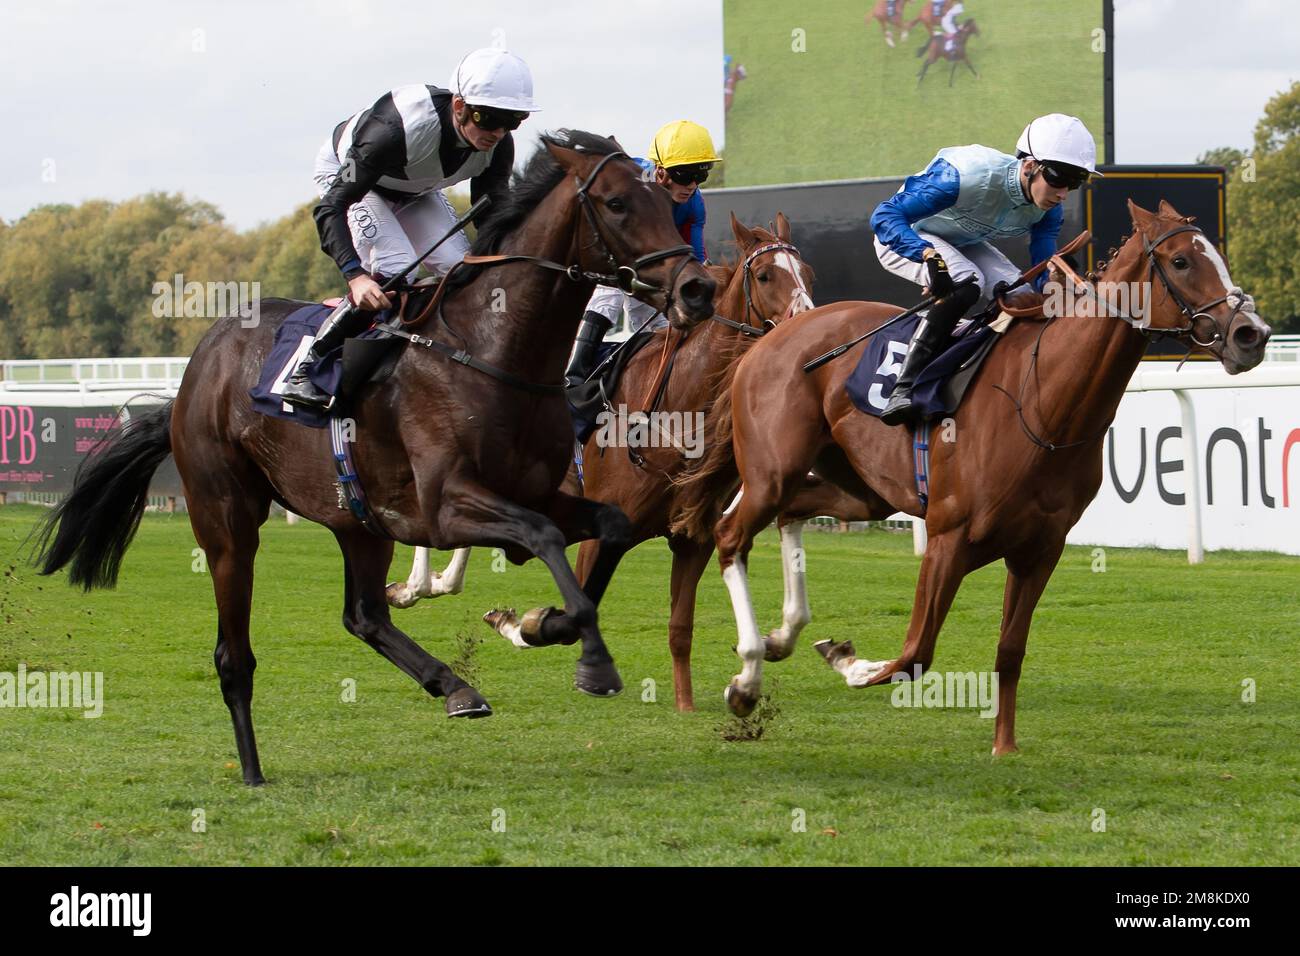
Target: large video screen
[{"x": 842, "y": 90}]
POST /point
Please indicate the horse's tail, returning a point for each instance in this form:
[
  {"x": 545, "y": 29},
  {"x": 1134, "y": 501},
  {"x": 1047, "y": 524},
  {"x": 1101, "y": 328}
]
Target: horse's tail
[
  {"x": 92, "y": 526},
  {"x": 701, "y": 488}
]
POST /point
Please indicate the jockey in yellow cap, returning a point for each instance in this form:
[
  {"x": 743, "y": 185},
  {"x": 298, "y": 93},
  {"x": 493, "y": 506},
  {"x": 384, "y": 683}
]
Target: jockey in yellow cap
[{"x": 679, "y": 159}]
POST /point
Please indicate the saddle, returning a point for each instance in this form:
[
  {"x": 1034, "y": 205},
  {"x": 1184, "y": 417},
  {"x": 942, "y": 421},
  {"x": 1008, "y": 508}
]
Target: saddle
[
  {"x": 589, "y": 399},
  {"x": 368, "y": 358}
]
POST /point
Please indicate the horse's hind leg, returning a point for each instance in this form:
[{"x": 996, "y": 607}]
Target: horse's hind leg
[
  {"x": 795, "y": 614},
  {"x": 945, "y": 563},
  {"x": 690, "y": 558},
  {"x": 423, "y": 583},
  {"x": 365, "y": 614},
  {"x": 225, "y": 525}
]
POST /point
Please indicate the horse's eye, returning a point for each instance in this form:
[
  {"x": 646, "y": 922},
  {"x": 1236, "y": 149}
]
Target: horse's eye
[
  {"x": 762, "y": 277},
  {"x": 616, "y": 205},
  {"x": 1180, "y": 262}
]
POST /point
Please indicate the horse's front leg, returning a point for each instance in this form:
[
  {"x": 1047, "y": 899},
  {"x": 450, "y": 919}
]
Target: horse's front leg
[{"x": 471, "y": 514}]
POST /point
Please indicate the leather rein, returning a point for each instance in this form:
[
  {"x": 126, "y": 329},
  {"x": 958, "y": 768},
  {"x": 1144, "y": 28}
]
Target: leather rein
[
  {"x": 625, "y": 277},
  {"x": 1141, "y": 323}
]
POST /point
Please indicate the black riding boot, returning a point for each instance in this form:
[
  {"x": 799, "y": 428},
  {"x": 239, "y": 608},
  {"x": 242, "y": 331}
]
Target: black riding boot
[
  {"x": 298, "y": 389},
  {"x": 590, "y": 334},
  {"x": 931, "y": 336}
]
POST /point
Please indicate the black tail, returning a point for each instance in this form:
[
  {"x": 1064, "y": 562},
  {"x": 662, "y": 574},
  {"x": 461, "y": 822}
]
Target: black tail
[{"x": 95, "y": 522}]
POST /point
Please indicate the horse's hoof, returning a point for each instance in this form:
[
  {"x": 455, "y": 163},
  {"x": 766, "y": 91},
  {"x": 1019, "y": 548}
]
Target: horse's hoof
[
  {"x": 835, "y": 652},
  {"x": 742, "y": 703},
  {"x": 400, "y": 595},
  {"x": 499, "y": 617},
  {"x": 599, "y": 680},
  {"x": 774, "y": 650},
  {"x": 467, "y": 702}
]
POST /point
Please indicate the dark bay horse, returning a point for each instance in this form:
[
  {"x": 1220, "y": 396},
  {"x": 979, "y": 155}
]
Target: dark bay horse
[
  {"x": 1025, "y": 457},
  {"x": 449, "y": 456},
  {"x": 938, "y": 49}
]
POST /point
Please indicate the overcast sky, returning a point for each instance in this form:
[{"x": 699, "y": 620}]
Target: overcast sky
[{"x": 229, "y": 101}]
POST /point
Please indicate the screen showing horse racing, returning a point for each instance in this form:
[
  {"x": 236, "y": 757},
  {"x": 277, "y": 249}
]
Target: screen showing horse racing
[{"x": 846, "y": 89}]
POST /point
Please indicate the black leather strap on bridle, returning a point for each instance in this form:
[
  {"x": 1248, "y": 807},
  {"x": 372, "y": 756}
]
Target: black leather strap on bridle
[
  {"x": 625, "y": 277},
  {"x": 1154, "y": 268},
  {"x": 750, "y": 308}
]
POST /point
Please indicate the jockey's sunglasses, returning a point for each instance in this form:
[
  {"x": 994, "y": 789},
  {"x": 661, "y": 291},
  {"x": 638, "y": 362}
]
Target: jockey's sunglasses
[
  {"x": 489, "y": 118},
  {"x": 685, "y": 175},
  {"x": 1059, "y": 178}
]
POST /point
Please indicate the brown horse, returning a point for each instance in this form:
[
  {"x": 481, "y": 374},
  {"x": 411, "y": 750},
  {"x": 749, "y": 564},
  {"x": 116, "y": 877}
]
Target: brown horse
[
  {"x": 929, "y": 17},
  {"x": 769, "y": 284},
  {"x": 889, "y": 14},
  {"x": 939, "y": 49},
  {"x": 449, "y": 457},
  {"x": 1025, "y": 457}
]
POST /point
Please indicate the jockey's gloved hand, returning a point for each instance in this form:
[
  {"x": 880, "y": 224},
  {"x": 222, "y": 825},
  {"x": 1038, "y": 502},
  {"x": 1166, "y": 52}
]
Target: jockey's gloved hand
[
  {"x": 940, "y": 282},
  {"x": 1000, "y": 290}
]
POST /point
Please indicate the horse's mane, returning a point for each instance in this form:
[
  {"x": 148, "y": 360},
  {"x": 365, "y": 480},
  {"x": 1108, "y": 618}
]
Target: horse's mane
[{"x": 527, "y": 190}]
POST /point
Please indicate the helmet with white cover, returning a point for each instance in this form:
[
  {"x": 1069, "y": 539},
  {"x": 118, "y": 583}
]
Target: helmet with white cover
[
  {"x": 1057, "y": 138},
  {"x": 494, "y": 77}
]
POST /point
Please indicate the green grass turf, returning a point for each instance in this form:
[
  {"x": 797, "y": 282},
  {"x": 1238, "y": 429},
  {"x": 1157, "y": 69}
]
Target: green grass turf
[
  {"x": 848, "y": 106},
  {"x": 1131, "y": 702}
]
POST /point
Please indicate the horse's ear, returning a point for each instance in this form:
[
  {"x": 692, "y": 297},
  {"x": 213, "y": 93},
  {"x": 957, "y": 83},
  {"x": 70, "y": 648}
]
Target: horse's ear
[
  {"x": 611, "y": 138},
  {"x": 743, "y": 234},
  {"x": 1141, "y": 217},
  {"x": 782, "y": 227},
  {"x": 1169, "y": 211},
  {"x": 570, "y": 159}
]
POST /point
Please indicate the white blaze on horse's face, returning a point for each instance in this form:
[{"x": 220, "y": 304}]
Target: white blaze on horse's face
[
  {"x": 801, "y": 300},
  {"x": 1208, "y": 250}
]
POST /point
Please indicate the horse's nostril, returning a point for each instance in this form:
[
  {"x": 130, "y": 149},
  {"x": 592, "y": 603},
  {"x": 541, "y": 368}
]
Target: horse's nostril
[
  {"x": 1246, "y": 337},
  {"x": 696, "y": 292}
]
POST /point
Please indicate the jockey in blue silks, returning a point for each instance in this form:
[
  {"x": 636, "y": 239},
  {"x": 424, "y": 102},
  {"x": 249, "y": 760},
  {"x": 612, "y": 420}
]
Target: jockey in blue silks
[{"x": 937, "y": 229}]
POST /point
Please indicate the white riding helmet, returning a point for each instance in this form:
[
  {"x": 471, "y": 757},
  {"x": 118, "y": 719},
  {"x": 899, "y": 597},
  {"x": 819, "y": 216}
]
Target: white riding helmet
[
  {"x": 494, "y": 77},
  {"x": 1060, "y": 138}
]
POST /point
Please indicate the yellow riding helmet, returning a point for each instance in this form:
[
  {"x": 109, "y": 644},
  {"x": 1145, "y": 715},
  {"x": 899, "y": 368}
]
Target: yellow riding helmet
[{"x": 682, "y": 143}]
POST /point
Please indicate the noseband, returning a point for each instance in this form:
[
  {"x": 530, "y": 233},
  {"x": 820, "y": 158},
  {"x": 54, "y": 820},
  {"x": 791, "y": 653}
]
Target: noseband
[
  {"x": 626, "y": 277},
  {"x": 1193, "y": 315},
  {"x": 746, "y": 271}
]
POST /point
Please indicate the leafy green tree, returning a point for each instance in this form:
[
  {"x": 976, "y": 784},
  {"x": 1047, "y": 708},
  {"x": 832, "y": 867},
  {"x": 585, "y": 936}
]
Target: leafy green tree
[{"x": 1264, "y": 211}]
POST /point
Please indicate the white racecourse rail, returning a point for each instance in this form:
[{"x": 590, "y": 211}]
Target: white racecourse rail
[{"x": 1196, "y": 459}]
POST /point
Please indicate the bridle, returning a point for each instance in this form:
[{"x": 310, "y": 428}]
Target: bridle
[
  {"x": 1192, "y": 314},
  {"x": 747, "y": 269},
  {"x": 1141, "y": 324},
  {"x": 624, "y": 277}
]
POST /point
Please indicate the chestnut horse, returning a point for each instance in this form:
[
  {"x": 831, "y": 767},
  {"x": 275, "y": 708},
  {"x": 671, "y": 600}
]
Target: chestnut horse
[
  {"x": 1025, "y": 461},
  {"x": 927, "y": 16},
  {"x": 450, "y": 454},
  {"x": 889, "y": 14}
]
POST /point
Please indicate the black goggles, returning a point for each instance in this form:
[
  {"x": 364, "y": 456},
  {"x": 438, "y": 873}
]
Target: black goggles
[
  {"x": 685, "y": 175},
  {"x": 1067, "y": 177},
  {"x": 490, "y": 118}
]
